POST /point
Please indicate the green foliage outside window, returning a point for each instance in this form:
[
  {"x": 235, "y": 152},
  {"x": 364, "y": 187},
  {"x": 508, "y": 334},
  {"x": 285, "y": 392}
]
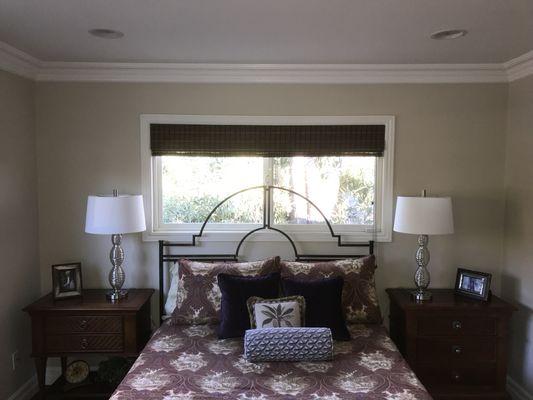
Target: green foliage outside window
[{"x": 342, "y": 187}]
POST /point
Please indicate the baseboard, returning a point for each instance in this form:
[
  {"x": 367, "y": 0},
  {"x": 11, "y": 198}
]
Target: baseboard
[
  {"x": 26, "y": 391},
  {"x": 516, "y": 391},
  {"x": 30, "y": 388}
]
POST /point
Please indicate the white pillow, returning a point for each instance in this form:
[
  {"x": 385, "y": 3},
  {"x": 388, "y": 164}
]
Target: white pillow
[
  {"x": 284, "y": 312},
  {"x": 170, "y": 303}
]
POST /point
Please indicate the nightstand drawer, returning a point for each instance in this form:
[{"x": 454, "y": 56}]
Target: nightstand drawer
[
  {"x": 79, "y": 324},
  {"x": 84, "y": 343},
  {"x": 449, "y": 374},
  {"x": 463, "y": 349},
  {"x": 456, "y": 326}
]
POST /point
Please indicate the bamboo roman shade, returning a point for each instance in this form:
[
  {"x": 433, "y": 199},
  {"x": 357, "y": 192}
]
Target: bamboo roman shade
[{"x": 267, "y": 140}]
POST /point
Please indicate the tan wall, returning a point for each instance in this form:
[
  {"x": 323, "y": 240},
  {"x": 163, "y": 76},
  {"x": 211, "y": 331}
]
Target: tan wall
[
  {"x": 449, "y": 139},
  {"x": 20, "y": 281},
  {"x": 517, "y": 272}
]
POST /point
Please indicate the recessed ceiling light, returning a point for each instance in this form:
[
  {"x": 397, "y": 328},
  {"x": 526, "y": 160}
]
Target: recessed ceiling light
[
  {"x": 106, "y": 33},
  {"x": 449, "y": 34}
]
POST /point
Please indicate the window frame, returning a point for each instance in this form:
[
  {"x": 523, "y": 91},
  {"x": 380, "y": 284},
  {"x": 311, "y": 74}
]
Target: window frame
[{"x": 151, "y": 190}]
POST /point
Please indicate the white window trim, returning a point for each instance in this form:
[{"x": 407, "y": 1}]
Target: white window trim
[{"x": 384, "y": 177}]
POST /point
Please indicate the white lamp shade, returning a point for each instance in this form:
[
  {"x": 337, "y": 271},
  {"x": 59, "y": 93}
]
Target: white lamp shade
[
  {"x": 110, "y": 215},
  {"x": 424, "y": 215}
]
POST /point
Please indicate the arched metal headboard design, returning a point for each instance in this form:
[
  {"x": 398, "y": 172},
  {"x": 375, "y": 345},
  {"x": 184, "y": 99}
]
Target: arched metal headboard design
[{"x": 266, "y": 225}]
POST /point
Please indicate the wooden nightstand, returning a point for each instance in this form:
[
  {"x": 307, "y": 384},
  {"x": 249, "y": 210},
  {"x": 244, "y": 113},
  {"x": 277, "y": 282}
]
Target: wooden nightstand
[
  {"x": 88, "y": 325},
  {"x": 456, "y": 346}
]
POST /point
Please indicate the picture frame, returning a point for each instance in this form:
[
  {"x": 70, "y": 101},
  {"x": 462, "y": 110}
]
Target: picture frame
[
  {"x": 473, "y": 284},
  {"x": 66, "y": 281}
]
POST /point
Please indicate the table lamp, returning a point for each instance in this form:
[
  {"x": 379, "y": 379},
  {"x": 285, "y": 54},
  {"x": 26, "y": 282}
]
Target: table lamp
[
  {"x": 115, "y": 215},
  {"x": 423, "y": 216}
]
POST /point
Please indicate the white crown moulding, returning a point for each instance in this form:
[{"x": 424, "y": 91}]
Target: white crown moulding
[
  {"x": 270, "y": 73},
  {"x": 519, "y": 67},
  {"x": 18, "y": 62}
]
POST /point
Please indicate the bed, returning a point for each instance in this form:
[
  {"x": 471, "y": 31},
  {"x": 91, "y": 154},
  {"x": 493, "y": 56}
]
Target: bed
[{"x": 189, "y": 361}]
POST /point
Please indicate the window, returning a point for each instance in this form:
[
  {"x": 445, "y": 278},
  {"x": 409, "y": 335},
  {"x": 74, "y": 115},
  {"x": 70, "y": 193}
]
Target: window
[
  {"x": 341, "y": 187},
  {"x": 192, "y": 186},
  {"x": 353, "y": 192}
]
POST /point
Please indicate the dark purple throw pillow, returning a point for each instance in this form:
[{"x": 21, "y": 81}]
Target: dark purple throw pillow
[
  {"x": 236, "y": 290},
  {"x": 323, "y": 299}
]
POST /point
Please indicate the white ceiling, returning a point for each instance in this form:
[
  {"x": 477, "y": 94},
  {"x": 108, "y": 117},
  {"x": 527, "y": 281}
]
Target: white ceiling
[{"x": 269, "y": 31}]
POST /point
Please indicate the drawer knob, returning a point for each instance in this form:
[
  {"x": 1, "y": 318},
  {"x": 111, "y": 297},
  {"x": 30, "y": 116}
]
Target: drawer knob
[
  {"x": 83, "y": 324},
  {"x": 84, "y": 343},
  {"x": 457, "y": 349},
  {"x": 457, "y": 325},
  {"x": 456, "y": 376}
]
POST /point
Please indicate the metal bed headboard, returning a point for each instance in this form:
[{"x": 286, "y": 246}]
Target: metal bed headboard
[{"x": 165, "y": 247}]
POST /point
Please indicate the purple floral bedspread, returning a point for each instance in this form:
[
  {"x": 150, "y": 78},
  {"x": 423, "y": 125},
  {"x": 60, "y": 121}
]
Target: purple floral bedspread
[{"x": 189, "y": 362}]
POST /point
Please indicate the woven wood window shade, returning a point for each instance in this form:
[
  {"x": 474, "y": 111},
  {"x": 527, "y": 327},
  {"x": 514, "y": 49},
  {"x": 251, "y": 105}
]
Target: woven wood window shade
[{"x": 267, "y": 140}]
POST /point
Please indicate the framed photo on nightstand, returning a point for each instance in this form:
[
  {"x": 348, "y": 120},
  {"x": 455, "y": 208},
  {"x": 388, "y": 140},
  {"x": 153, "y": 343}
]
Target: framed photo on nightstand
[
  {"x": 66, "y": 281},
  {"x": 473, "y": 284}
]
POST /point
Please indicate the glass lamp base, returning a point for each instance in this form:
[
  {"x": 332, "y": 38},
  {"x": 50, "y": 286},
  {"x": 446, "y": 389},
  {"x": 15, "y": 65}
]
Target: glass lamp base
[
  {"x": 421, "y": 295},
  {"x": 116, "y": 295}
]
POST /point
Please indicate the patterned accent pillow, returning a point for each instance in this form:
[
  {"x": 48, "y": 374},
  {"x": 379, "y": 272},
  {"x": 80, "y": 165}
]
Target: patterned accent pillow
[
  {"x": 198, "y": 297},
  {"x": 288, "y": 344},
  {"x": 276, "y": 313},
  {"x": 359, "y": 297}
]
